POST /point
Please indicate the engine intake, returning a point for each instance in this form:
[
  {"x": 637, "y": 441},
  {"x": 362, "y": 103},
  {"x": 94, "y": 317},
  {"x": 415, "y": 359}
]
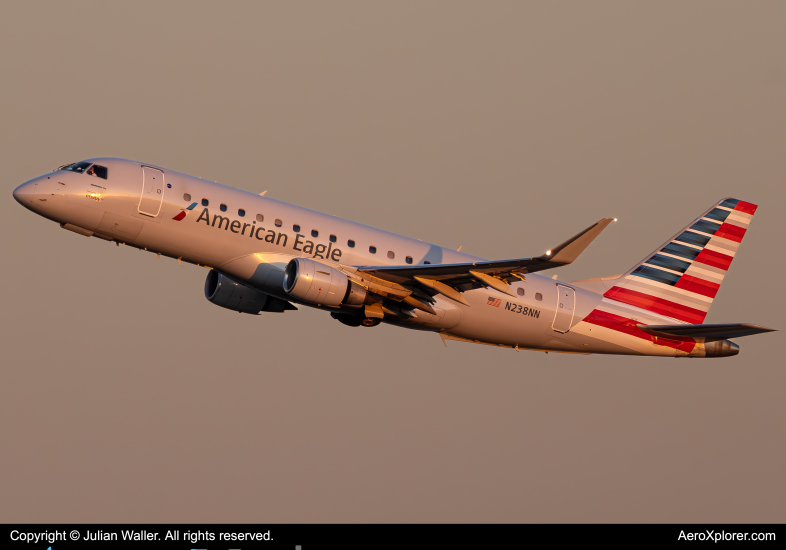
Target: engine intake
[{"x": 320, "y": 284}]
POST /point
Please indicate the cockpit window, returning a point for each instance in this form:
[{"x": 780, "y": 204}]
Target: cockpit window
[
  {"x": 97, "y": 171},
  {"x": 76, "y": 167}
]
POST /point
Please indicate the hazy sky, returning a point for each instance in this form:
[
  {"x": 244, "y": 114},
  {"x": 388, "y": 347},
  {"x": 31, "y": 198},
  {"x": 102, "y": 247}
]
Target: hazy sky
[{"x": 505, "y": 127}]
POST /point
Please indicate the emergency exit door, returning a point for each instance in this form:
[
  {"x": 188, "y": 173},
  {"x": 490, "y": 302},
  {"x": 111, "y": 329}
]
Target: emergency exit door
[
  {"x": 566, "y": 303},
  {"x": 152, "y": 191}
]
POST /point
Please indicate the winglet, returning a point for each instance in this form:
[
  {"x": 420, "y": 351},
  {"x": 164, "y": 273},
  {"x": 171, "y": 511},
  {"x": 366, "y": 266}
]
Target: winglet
[{"x": 568, "y": 251}]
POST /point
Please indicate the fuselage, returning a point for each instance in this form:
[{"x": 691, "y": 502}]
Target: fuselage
[{"x": 252, "y": 238}]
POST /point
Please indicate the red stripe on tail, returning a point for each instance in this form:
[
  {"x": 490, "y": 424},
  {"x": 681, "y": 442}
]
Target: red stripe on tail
[
  {"x": 747, "y": 207},
  {"x": 699, "y": 286},
  {"x": 628, "y": 326},
  {"x": 731, "y": 232},
  {"x": 715, "y": 259},
  {"x": 657, "y": 305}
]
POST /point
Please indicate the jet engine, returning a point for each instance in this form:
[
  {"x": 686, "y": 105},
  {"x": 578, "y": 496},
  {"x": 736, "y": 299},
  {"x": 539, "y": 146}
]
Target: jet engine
[
  {"x": 320, "y": 284},
  {"x": 228, "y": 293}
]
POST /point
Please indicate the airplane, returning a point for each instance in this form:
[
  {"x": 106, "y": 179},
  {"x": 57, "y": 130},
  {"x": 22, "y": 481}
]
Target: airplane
[{"x": 266, "y": 256}]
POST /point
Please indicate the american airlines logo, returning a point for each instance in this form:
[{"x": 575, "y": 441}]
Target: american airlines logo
[{"x": 183, "y": 213}]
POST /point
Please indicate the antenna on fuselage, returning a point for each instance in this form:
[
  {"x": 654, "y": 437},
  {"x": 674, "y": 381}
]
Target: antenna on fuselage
[{"x": 262, "y": 194}]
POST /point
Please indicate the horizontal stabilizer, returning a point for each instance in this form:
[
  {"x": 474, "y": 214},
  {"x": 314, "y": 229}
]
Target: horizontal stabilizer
[{"x": 707, "y": 332}]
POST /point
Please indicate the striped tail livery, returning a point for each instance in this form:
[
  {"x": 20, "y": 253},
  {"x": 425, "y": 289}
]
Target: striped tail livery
[
  {"x": 658, "y": 306},
  {"x": 681, "y": 278}
]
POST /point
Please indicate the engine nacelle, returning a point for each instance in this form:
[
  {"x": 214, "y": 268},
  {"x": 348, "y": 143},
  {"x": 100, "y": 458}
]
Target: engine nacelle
[
  {"x": 225, "y": 292},
  {"x": 320, "y": 284}
]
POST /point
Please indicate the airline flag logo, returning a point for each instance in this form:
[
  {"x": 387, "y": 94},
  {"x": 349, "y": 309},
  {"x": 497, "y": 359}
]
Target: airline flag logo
[
  {"x": 493, "y": 302},
  {"x": 183, "y": 213}
]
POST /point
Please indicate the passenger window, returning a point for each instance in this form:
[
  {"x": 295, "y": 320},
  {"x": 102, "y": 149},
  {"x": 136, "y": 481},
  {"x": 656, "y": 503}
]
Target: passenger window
[
  {"x": 296, "y": 228},
  {"x": 279, "y": 223},
  {"x": 372, "y": 249},
  {"x": 332, "y": 238},
  {"x": 205, "y": 202},
  {"x": 223, "y": 207},
  {"x": 351, "y": 243},
  {"x": 241, "y": 212},
  {"x": 97, "y": 171},
  {"x": 391, "y": 254},
  {"x": 260, "y": 218},
  {"x": 186, "y": 197},
  {"x": 409, "y": 259},
  {"x": 520, "y": 291},
  {"x": 314, "y": 233},
  {"x": 538, "y": 296}
]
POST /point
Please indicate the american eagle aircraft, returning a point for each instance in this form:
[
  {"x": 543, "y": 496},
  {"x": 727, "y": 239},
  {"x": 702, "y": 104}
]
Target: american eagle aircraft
[{"x": 265, "y": 255}]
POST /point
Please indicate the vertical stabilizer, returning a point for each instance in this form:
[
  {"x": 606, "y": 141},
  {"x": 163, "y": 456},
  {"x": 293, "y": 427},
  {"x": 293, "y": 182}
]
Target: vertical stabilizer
[{"x": 682, "y": 277}]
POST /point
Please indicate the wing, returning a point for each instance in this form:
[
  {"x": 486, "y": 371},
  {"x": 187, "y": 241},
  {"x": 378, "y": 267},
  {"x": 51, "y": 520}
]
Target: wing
[
  {"x": 452, "y": 279},
  {"x": 707, "y": 332}
]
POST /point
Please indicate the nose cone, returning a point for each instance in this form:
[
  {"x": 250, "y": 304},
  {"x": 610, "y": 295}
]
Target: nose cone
[{"x": 24, "y": 193}]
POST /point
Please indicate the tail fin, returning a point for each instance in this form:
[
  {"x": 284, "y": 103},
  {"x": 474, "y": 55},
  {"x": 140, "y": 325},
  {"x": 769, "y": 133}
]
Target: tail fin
[{"x": 681, "y": 278}]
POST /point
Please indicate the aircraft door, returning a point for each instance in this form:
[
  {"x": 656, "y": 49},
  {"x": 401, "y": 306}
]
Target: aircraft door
[
  {"x": 566, "y": 303},
  {"x": 152, "y": 191}
]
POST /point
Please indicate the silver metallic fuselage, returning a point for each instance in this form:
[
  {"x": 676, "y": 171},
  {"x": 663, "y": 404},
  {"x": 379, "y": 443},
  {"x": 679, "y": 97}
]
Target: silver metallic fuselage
[{"x": 256, "y": 252}]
